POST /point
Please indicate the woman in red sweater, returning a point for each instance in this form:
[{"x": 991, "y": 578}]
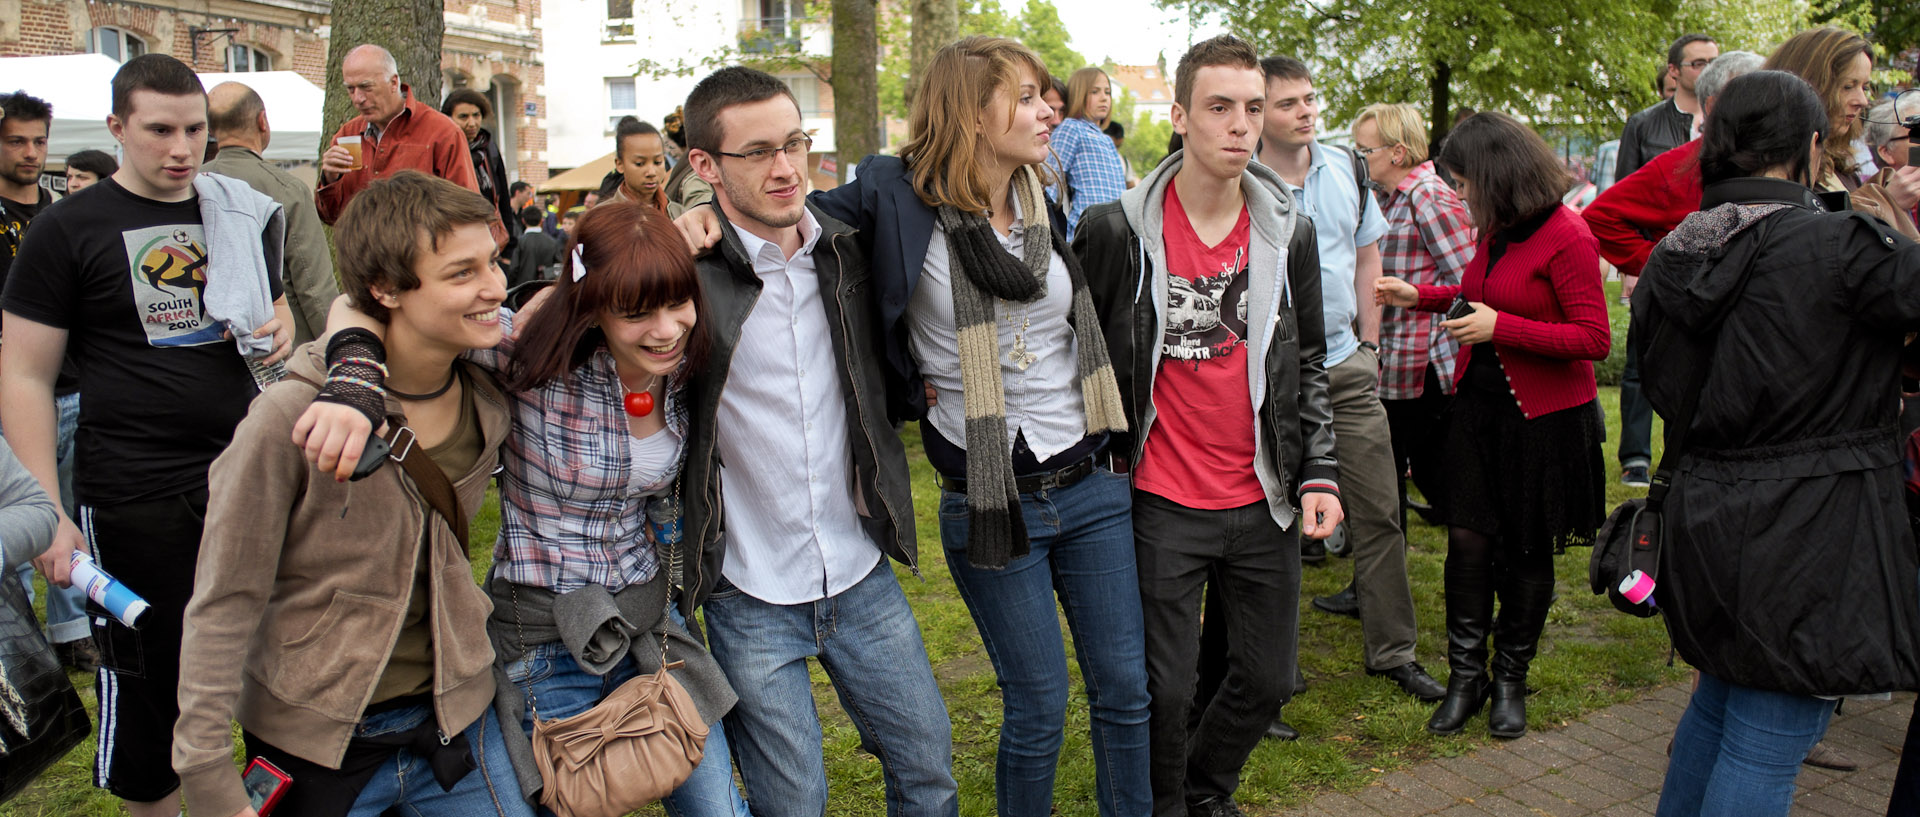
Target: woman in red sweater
[{"x": 1524, "y": 431}]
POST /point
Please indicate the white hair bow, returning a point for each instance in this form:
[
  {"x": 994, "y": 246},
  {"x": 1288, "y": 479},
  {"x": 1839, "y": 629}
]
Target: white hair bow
[{"x": 579, "y": 267}]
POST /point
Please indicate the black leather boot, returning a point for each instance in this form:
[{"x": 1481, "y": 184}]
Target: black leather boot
[
  {"x": 1524, "y": 601},
  {"x": 1469, "y": 589}
]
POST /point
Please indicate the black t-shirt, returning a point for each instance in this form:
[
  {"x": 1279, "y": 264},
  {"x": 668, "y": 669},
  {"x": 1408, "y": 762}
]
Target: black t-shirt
[
  {"x": 14, "y": 218},
  {"x": 125, "y": 276}
]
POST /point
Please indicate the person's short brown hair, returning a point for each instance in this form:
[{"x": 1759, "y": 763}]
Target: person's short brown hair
[
  {"x": 1512, "y": 173},
  {"x": 158, "y": 73},
  {"x": 1225, "y": 49},
  {"x": 380, "y": 236},
  {"x": 467, "y": 96},
  {"x": 723, "y": 89}
]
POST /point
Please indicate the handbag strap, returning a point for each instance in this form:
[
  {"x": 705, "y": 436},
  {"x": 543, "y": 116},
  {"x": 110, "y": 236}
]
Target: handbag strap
[{"x": 427, "y": 476}]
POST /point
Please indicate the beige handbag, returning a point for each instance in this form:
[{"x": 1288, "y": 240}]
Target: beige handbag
[{"x": 629, "y": 750}]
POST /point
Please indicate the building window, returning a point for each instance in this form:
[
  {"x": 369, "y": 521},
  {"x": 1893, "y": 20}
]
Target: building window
[
  {"x": 806, "y": 93},
  {"x": 247, "y": 58},
  {"x": 117, "y": 43},
  {"x": 619, "y": 21},
  {"x": 621, "y": 100}
]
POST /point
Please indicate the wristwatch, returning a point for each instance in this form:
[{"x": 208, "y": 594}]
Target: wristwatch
[{"x": 1370, "y": 346}]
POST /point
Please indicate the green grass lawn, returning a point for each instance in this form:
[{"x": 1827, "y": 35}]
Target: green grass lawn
[{"x": 1355, "y": 727}]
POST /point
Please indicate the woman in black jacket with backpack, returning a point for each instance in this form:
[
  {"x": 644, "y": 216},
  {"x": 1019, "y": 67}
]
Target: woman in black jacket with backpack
[{"x": 1789, "y": 571}]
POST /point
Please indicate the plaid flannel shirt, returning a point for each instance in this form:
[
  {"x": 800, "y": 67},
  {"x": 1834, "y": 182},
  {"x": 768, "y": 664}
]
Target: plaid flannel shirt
[
  {"x": 1087, "y": 166},
  {"x": 1429, "y": 241},
  {"x": 570, "y": 514}
]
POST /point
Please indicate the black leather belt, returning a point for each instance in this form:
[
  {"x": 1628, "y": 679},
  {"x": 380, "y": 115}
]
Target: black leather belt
[{"x": 1034, "y": 483}]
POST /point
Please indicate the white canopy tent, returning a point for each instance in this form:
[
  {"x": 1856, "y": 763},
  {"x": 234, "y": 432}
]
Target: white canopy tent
[
  {"x": 80, "y": 88},
  {"x": 294, "y": 108}
]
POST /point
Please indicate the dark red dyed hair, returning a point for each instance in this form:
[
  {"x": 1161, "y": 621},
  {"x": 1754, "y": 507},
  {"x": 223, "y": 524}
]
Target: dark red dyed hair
[{"x": 636, "y": 261}]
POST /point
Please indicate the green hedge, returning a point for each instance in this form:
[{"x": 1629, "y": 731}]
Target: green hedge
[{"x": 1607, "y": 372}]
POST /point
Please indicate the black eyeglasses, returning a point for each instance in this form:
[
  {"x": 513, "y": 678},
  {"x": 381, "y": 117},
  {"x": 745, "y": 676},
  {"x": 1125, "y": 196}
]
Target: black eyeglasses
[
  {"x": 1696, "y": 64},
  {"x": 795, "y": 148}
]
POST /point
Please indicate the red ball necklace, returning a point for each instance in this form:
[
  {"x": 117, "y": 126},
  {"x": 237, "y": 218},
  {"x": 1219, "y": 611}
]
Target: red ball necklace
[{"x": 638, "y": 403}]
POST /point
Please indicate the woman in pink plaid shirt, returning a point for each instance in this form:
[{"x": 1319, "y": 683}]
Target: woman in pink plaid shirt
[{"x": 1429, "y": 240}]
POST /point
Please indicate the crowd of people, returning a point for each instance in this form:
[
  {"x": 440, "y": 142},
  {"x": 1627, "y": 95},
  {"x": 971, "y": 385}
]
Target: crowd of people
[{"x": 1148, "y": 402}]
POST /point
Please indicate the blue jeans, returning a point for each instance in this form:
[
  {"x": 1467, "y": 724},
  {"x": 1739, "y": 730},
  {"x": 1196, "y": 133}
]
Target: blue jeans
[
  {"x": 869, "y": 644},
  {"x": 66, "y": 606},
  {"x": 563, "y": 690},
  {"x": 405, "y": 782},
  {"x": 1738, "y": 750},
  {"x": 1081, "y": 541}
]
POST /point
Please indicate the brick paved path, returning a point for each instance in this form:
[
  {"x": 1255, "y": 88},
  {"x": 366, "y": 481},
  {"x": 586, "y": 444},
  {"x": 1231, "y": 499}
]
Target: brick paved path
[{"x": 1611, "y": 763}]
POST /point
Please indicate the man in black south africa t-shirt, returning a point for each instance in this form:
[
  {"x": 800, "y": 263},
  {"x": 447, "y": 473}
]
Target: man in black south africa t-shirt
[{"x": 117, "y": 277}]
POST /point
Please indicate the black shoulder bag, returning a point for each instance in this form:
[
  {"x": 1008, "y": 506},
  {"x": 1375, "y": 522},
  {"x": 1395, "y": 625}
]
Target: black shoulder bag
[
  {"x": 1629, "y": 542},
  {"x": 41, "y": 717}
]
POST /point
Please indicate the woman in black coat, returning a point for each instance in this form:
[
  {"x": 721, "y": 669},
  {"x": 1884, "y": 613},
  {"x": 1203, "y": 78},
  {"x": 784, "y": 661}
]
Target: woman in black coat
[
  {"x": 468, "y": 108},
  {"x": 1789, "y": 571}
]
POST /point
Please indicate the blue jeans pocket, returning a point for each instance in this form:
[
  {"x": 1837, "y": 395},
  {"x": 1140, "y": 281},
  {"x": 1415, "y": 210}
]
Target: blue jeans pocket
[
  {"x": 953, "y": 505},
  {"x": 534, "y": 666}
]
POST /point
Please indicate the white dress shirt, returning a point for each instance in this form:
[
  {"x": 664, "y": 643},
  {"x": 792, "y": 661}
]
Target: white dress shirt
[
  {"x": 793, "y": 535},
  {"x": 1044, "y": 400}
]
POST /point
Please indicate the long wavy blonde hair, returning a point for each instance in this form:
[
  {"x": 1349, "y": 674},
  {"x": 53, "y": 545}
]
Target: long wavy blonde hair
[{"x": 943, "y": 150}]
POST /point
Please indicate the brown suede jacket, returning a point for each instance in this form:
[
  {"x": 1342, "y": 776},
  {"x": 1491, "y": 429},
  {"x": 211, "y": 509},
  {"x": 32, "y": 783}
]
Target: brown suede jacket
[{"x": 305, "y": 580}]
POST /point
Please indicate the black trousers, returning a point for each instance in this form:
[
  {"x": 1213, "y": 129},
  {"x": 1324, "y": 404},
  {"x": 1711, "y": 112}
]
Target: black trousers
[
  {"x": 1418, "y": 429},
  {"x": 1250, "y": 571}
]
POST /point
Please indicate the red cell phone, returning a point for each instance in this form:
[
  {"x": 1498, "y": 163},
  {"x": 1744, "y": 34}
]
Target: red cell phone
[{"x": 266, "y": 784}]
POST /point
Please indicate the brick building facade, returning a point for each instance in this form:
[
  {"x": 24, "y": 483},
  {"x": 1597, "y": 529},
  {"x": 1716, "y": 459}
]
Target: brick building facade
[{"x": 493, "y": 46}]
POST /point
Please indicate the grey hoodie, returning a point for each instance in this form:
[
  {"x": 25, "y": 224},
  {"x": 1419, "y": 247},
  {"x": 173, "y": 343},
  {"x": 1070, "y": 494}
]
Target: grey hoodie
[
  {"x": 246, "y": 250},
  {"x": 1274, "y": 224}
]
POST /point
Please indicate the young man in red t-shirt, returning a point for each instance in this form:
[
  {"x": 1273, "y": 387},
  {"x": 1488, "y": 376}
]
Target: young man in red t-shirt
[{"x": 1208, "y": 285}]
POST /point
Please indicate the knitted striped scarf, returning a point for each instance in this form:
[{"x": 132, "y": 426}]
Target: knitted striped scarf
[{"x": 982, "y": 271}]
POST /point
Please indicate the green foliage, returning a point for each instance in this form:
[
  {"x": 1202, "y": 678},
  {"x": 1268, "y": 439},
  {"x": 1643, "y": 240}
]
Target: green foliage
[
  {"x": 1038, "y": 26},
  {"x": 1042, "y": 31},
  {"x": 1146, "y": 143},
  {"x": 1583, "y": 64},
  {"x": 1607, "y": 372},
  {"x": 1892, "y": 25}
]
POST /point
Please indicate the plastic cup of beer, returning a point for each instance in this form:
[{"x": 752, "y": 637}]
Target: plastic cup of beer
[{"x": 352, "y": 144}]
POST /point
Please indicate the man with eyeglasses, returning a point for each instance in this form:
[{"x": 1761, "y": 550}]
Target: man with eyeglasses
[
  {"x": 396, "y": 132},
  {"x": 789, "y": 434},
  {"x": 1666, "y": 125},
  {"x": 1892, "y": 144}
]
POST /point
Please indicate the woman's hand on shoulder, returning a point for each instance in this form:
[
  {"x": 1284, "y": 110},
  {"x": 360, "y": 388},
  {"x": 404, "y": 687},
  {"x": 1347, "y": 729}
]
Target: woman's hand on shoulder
[
  {"x": 1394, "y": 292},
  {"x": 332, "y": 435},
  {"x": 701, "y": 228},
  {"x": 1474, "y": 328}
]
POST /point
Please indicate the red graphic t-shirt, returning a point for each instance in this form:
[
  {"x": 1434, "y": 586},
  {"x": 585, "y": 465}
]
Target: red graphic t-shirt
[{"x": 1200, "y": 450}]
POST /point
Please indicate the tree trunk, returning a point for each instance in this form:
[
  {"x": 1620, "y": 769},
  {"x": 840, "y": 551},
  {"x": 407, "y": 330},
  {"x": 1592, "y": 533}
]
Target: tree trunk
[
  {"x": 935, "y": 24},
  {"x": 1441, "y": 86},
  {"x": 411, "y": 29},
  {"x": 856, "y": 83}
]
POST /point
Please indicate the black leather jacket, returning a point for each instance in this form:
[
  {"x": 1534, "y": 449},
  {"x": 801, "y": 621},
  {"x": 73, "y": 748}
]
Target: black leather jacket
[
  {"x": 1649, "y": 133},
  {"x": 1296, "y": 416},
  {"x": 885, "y": 497}
]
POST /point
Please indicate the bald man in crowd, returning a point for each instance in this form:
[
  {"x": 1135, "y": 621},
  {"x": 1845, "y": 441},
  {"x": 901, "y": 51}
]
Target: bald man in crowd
[
  {"x": 396, "y": 131},
  {"x": 238, "y": 119}
]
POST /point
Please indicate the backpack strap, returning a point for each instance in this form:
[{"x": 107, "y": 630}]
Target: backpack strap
[{"x": 1362, "y": 179}]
